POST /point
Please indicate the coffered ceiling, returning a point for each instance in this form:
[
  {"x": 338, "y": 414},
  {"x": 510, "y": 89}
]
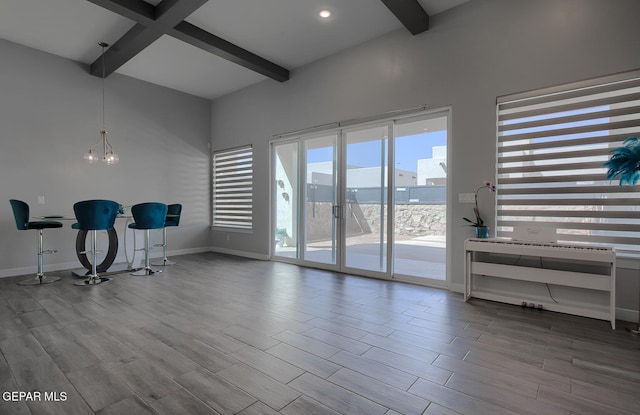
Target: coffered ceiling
[{"x": 207, "y": 48}]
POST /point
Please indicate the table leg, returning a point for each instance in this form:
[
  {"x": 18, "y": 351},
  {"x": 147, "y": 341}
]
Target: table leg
[{"x": 108, "y": 259}]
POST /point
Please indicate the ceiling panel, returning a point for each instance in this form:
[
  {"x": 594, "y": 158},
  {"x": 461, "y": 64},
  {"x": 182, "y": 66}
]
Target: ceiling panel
[
  {"x": 175, "y": 64},
  {"x": 67, "y": 28},
  {"x": 290, "y": 32}
]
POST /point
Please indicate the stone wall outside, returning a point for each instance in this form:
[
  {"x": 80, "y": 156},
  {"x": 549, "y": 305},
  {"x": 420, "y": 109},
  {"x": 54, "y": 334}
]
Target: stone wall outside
[{"x": 411, "y": 220}]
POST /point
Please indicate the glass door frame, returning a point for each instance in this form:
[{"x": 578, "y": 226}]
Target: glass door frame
[
  {"x": 302, "y": 240},
  {"x": 302, "y": 208},
  {"x": 412, "y": 279},
  {"x": 342, "y": 190},
  {"x": 340, "y": 172},
  {"x": 340, "y": 130}
]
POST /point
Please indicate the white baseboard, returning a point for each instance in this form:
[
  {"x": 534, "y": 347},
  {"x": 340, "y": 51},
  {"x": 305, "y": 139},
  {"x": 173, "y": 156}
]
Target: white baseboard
[
  {"x": 185, "y": 251},
  {"x": 625, "y": 314},
  {"x": 63, "y": 266},
  {"x": 13, "y": 272},
  {"x": 235, "y": 252}
]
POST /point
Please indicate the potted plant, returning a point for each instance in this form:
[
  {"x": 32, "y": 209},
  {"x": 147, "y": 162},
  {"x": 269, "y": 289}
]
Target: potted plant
[{"x": 482, "y": 231}]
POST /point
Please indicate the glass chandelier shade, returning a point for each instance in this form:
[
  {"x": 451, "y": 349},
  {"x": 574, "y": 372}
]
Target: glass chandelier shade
[{"x": 108, "y": 155}]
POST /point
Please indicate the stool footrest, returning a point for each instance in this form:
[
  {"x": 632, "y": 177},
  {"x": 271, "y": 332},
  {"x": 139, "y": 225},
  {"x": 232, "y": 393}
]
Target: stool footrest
[{"x": 50, "y": 251}]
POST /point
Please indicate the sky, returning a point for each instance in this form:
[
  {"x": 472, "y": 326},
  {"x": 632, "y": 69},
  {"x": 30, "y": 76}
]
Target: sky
[{"x": 409, "y": 149}]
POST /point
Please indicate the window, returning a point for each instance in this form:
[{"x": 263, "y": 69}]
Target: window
[
  {"x": 551, "y": 146},
  {"x": 233, "y": 188}
]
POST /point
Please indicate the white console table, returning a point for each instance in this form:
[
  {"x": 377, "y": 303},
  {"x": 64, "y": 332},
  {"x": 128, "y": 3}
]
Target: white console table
[{"x": 592, "y": 256}]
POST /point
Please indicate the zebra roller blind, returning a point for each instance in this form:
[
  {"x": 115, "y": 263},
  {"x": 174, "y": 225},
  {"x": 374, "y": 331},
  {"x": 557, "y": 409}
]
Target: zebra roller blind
[
  {"x": 551, "y": 146},
  {"x": 233, "y": 188}
]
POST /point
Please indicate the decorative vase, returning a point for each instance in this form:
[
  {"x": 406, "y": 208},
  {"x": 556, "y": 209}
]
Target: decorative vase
[{"x": 482, "y": 231}]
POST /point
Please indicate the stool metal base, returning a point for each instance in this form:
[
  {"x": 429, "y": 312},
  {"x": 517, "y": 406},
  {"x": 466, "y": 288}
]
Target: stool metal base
[
  {"x": 92, "y": 280},
  {"x": 163, "y": 262},
  {"x": 38, "y": 280},
  {"x": 146, "y": 271}
]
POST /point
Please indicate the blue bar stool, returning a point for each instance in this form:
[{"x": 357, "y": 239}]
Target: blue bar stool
[
  {"x": 147, "y": 216},
  {"x": 173, "y": 219},
  {"x": 21, "y": 215},
  {"x": 94, "y": 215}
]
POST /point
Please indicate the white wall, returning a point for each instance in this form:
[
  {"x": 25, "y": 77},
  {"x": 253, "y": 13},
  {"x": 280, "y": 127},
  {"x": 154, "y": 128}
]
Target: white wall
[
  {"x": 433, "y": 169},
  {"x": 50, "y": 112},
  {"x": 472, "y": 54}
]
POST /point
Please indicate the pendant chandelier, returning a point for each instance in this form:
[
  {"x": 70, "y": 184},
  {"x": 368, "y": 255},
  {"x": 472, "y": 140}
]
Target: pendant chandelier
[{"x": 108, "y": 155}]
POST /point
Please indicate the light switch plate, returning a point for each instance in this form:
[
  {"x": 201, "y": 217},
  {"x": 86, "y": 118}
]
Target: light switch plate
[{"x": 41, "y": 200}]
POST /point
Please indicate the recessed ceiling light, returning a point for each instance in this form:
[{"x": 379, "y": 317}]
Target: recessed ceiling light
[{"x": 324, "y": 13}]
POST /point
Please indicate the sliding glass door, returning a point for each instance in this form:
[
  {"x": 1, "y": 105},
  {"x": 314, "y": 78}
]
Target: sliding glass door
[
  {"x": 420, "y": 202},
  {"x": 365, "y": 194},
  {"x": 285, "y": 199},
  {"x": 320, "y": 199},
  {"x": 333, "y": 208}
]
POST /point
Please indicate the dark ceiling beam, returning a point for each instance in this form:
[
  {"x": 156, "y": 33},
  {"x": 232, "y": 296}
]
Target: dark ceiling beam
[
  {"x": 152, "y": 23},
  {"x": 167, "y": 18},
  {"x": 410, "y": 13},
  {"x": 137, "y": 10},
  {"x": 202, "y": 39}
]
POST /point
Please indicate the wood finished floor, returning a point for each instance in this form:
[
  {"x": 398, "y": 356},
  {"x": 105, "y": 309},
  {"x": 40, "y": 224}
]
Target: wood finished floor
[{"x": 218, "y": 334}]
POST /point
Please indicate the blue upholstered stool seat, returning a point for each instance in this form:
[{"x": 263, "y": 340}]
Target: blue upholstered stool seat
[
  {"x": 43, "y": 224},
  {"x": 21, "y": 214},
  {"x": 95, "y": 215},
  {"x": 147, "y": 216}
]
